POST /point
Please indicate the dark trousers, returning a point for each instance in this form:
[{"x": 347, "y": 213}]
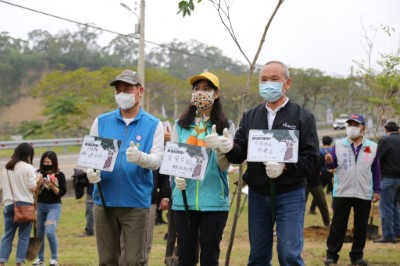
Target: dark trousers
[
  {"x": 337, "y": 232},
  {"x": 320, "y": 201},
  {"x": 209, "y": 227}
]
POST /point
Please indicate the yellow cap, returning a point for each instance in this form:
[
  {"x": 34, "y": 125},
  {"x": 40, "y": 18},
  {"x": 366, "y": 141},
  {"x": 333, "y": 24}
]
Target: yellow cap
[{"x": 206, "y": 75}]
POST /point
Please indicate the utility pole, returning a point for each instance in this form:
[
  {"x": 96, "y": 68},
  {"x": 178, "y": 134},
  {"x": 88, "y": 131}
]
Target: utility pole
[
  {"x": 140, "y": 30},
  {"x": 141, "y": 48}
]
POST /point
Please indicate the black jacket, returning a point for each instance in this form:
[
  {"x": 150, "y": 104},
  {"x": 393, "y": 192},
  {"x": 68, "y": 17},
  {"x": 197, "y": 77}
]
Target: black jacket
[
  {"x": 291, "y": 116},
  {"x": 162, "y": 187},
  {"x": 389, "y": 154}
]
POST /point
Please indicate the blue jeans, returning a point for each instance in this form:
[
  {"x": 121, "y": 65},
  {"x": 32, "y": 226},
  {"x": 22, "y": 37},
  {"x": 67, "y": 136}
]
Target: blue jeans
[
  {"x": 289, "y": 213},
  {"x": 47, "y": 220},
  {"x": 389, "y": 207},
  {"x": 24, "y": 232}
]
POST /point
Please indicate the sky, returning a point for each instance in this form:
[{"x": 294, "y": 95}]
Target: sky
[{"x": 321, "y": 34}]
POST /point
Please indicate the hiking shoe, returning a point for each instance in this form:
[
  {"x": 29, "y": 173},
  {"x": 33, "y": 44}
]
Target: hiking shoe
[
  {"x": 328, "y": 262},
  {"x": 359, "y": 262},
  {"x": 38, "y": 262},
  {"x": 53, "y": 262}
]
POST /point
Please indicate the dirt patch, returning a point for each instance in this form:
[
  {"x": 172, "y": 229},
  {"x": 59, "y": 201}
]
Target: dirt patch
[{"x": 316, "y": 232}]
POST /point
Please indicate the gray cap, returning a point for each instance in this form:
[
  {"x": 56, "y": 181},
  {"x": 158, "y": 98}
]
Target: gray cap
[{"x": 127, "y": 76}]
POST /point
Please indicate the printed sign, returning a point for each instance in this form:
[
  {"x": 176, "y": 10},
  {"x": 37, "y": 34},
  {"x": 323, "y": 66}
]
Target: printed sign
[
  {"x": 98, "y": 153},
  {"x": 273, "y": 146},
  {"x": 185, "y": 160}
]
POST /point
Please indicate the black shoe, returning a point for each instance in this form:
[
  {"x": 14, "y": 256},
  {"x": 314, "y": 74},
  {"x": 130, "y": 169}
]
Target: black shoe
[
  {"x": 313, "y": 212},
  {"x": 359, "y": 262},
  {"x": 328, "y": 262},
  {"x": 383, "y": 240},
  {"x": 85, "y": 234}
]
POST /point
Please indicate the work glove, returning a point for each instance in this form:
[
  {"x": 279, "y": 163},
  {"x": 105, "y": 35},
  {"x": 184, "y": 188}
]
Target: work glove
[
  {"x": 225, "y": 142},
  {"x": 93, "y": 176},
  {"x": 180, "y": 183},
  {"x": 274, "y": 169},
  {"x": 132, "y": 153},
  {"x": 212, "y": 139}
]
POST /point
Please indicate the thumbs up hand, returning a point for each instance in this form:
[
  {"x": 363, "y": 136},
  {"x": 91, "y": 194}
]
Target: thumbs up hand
[
  {"x": 328, "y": 157},
  {"x": 212, "y": 139},
  {"x": 225, "y": 142},
  {"x": 132, "y": 153}
]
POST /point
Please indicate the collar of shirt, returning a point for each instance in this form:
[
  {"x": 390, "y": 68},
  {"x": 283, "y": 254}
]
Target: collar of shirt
[{"x": 272, "y": 113}]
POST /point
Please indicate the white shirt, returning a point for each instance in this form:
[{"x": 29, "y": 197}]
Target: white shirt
[{"x": 22, "y": 179}]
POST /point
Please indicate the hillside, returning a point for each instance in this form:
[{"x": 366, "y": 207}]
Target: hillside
[{"x": 26, "y": 109}]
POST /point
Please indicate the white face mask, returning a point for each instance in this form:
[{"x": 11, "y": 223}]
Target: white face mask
[
  {"x": 353, "y": 132},
  {"x": 125, "y": 100}
]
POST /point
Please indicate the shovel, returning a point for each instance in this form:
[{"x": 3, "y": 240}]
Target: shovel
[{"x": 372, "y": 230}]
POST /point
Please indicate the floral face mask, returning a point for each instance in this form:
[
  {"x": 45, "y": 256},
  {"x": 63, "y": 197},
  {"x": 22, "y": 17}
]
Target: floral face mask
[{"x": 203, "y": 99}]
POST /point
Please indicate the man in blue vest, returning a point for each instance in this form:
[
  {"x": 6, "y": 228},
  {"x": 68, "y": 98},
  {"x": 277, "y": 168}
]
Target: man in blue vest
[{"x": 127, "y": 189}]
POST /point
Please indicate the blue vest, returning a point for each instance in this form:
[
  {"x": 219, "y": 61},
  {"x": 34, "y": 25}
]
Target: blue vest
[{"x": 128, "y": 185}]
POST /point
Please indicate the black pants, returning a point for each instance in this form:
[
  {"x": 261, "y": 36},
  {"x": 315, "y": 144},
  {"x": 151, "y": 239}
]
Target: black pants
[
  {"x": 209, "y": 227},
  {"x": 320, "y": 201},
  {"x": 337, "y": 232}
]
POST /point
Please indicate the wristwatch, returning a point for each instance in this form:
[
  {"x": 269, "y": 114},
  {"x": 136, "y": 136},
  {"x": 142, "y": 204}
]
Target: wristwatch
[{"x": 167, "y": 199}]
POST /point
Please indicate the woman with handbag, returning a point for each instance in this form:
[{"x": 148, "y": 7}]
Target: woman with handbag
[
  {"x": 19, "y": 185},
  {"x": 52, "y": 186}
]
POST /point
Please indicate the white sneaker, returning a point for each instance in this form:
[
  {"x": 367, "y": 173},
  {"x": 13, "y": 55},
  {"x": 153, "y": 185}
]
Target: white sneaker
[
  {"x": 38, "y": 262},
  {"x": 53, "y": 262}
]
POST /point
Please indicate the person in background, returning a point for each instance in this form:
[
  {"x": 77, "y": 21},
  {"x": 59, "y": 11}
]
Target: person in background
[
  {"x": 315, "y": 188},
  {"x": 19, "y": 185},
  {"x": 89, "y": 204},
  {"x": 161, "y": 189},
  {"x": 356, "y": 183},
  {"x": 52, "y": 186},
  {"x": 326, "y": 175},
  {"x": 389, "y": 208},
  {"x": 277, "y": 112},
  {"x": 127, "y": 189},
  {"x": 208, "y": 200}
]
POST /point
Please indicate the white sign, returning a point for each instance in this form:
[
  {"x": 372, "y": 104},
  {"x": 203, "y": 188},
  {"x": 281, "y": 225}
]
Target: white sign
[
  {"x": 273, "y": 146},
  {"x": 98, "y": 153},
  {"x": 185, "y": 160}
]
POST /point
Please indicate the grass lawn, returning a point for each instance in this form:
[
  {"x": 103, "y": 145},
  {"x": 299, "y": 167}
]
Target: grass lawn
[{"x": 74, "y": 250}]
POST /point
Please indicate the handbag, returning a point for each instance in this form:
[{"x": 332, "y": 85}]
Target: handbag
[
  {"x": 33, "y": 246},
  {"x": 25, "y": 213}
]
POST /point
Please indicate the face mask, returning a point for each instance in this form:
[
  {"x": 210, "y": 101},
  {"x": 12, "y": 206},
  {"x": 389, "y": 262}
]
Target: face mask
[
  {"x": 203, "y": 99},
  {"x": 270, "y": 91},
  {"x": 47, "y": 167},
  {"x": 125, "y": 100},
  {"x": 353, "y": 132}
]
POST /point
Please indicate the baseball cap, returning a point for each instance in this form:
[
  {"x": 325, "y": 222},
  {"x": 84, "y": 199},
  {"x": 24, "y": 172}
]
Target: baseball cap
[
  {"x": 127, "y": 76},
  {"x": 357, "y": 118},
  {"x": 391, "y": 126},
  {"x": 205, "y": 75}
]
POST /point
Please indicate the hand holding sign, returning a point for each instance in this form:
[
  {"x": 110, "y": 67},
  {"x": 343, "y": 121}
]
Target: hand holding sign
[
  {"x": 328, "y": 157},
  {"x": 180, "y": 183},
  {"x": 93, "y": 176},
  {"x": 274, "y": 169},
  {"x": 133, "y": 153}
]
